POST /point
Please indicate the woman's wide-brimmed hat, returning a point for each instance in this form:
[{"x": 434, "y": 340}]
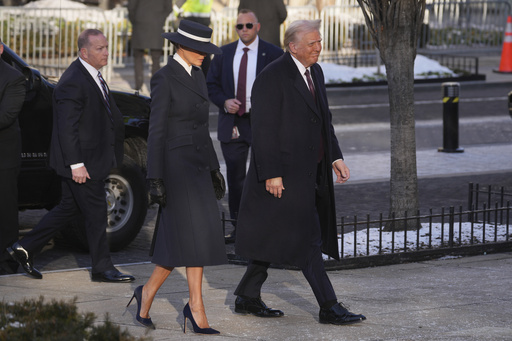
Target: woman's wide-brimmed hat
[{"x": 194, "y": 36}]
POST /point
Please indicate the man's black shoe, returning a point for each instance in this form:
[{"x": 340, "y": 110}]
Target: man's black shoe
[
  {"x": 20, "y": 255},
  {"x": 255, "y": 306},
  {"x": 112, "y": 276},
  {"x": 338, "y": 315}
]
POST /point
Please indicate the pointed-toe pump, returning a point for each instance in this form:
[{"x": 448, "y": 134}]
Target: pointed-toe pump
[
  {"x": 146, "y": 322},
  {"x": 188, "y": 315}
]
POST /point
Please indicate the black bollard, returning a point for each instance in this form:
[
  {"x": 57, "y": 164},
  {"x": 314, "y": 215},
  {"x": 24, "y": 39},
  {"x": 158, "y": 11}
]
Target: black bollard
[
  {"x": 510, "y": 103},
  {"x": 451, "y": 118}
]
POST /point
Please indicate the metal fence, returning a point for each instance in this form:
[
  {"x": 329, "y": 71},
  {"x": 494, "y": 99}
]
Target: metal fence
[
  {"x": 488, "y": 196},
  {"x": 47, "y": 37}
]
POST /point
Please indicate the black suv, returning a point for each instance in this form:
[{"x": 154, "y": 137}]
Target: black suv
[{"x": 38, "y": 184}]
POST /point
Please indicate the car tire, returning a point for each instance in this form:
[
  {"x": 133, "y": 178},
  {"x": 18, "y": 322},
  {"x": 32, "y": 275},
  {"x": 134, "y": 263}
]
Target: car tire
[{"x": 127, "y": 201}]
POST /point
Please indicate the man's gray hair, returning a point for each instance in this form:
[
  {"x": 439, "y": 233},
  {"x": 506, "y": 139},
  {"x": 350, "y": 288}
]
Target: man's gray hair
[{"x": 297, "y": 29}]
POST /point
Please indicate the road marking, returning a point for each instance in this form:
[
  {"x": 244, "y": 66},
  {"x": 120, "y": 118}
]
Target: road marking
[
  {"x": 438, "y": 101},
  {"x": 378, "y": 126}
]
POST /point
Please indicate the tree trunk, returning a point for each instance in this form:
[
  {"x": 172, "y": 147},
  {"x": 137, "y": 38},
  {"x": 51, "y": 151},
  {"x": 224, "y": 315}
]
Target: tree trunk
[
  {"x": 394, "y": 25},
  {"x": 399, "y": 61}
]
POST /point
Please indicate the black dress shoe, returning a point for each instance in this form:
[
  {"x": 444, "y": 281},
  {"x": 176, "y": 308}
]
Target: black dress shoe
[
  {"x": 338, "y": 315},
  {"x": 255, "y": 306},
  {"x": 113, "y": 276},
  {"x": 20, "y": 255}
]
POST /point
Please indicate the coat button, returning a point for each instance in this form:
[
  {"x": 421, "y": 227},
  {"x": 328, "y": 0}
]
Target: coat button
[
  {"x": 198, "y": 148},
  {"x": 194, "y": 126}
]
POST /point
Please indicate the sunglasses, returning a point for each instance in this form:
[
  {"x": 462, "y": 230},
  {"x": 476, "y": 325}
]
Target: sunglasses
[{"x": 249, "y": 26}]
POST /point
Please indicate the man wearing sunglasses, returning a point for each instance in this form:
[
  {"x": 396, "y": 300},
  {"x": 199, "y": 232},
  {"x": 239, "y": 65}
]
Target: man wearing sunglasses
[{"x": 234, "y": 99}]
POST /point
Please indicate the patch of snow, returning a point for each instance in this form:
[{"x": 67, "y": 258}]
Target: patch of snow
[{"x": 427, "y": 238}]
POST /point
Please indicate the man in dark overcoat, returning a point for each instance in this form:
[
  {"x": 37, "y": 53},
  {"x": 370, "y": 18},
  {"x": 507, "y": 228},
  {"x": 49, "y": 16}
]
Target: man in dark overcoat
[
  {"x": 148, "y": 19},
  {"x": 12, "y": 95},
  {"x": 234, "y": 128},
  {"x": 87, "y": 142},
  {"x": 287, "y": 212}
]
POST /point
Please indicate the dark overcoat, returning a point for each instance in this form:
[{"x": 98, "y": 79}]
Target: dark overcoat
[
  {"x": 288, "y": 127},
  {"x": 148, "y": 19},
  {"x": 180, "y": 151},
  {"x": 12, "y": 94}
]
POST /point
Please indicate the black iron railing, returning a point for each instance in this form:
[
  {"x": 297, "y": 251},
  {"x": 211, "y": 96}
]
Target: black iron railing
[
  {"x": 487, "y": 196},
  {"x": 454, "y": 228},
  {"x": 484, "y": 227}
]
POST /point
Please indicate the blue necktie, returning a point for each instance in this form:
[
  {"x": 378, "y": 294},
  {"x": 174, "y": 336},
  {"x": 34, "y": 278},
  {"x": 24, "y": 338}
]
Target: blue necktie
[{"x": 105, "y": 97}]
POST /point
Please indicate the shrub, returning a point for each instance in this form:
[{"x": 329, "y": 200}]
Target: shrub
[{"x": 35, "y": 320}]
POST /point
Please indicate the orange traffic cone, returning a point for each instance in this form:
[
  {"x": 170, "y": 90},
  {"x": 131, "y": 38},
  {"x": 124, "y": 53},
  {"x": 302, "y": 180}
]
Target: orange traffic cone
[{"x": 506, "y": 52}]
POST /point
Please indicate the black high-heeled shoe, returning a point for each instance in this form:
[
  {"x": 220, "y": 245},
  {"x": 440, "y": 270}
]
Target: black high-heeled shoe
[
  {"x": 188, "y": 314},
  {"x": 137, "y": 294}
]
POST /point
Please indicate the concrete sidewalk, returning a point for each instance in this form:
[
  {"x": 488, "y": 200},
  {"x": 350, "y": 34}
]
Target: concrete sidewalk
[{"x": 449, "y": 299}]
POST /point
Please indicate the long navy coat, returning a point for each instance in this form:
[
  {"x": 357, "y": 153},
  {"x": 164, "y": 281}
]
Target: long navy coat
[
  {"x": 180, "y": 151},
  {"x": 287, "y": 129}
]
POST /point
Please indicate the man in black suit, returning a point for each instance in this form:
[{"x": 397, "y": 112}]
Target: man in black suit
[
  {"x": 12, "y": 94},
  {"x": 234, "y": 130},
  {"x": 87, "y": 141},
  {"x": 294, "y": 147}
]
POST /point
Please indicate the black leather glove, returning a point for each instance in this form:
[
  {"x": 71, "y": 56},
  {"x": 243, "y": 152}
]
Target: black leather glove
[
  {"x": 219, "y": 185},
  {"x": 156, "y": 192}
]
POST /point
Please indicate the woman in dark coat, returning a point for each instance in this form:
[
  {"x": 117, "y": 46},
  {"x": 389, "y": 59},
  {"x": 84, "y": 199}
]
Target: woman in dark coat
[{"x": 184, "y": 176}]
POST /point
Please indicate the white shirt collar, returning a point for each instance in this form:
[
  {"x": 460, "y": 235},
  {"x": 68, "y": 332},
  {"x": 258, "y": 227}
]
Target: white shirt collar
[
  {"x": 92, "y": 70},
  {"x": 183, "y": 63},
  {"x": 300, "y": 66}
]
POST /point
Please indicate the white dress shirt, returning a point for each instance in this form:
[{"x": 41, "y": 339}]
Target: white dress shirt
[{"x": 252, "y": 60}]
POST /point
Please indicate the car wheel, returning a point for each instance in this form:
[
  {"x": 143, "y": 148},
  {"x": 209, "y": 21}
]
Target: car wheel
[{"x": 127, "y": 202}]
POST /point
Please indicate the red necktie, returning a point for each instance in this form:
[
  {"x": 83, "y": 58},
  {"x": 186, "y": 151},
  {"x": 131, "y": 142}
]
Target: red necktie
[
  {"x": 310, "y": 84},
  {"x": 312, "y": 90},
  {"x": 241, "y": 94}
]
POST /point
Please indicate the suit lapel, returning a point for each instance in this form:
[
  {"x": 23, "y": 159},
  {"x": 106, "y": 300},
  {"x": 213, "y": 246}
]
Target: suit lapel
[
  {"x": 182, "y": 76},
  {"x": 300, "y": 85},
  {"x": 96, "y": 88},
  {"x": 320, "y": 89},
  {"x": 228, "y": 65},
  {"x": 262, "y": 56}
]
